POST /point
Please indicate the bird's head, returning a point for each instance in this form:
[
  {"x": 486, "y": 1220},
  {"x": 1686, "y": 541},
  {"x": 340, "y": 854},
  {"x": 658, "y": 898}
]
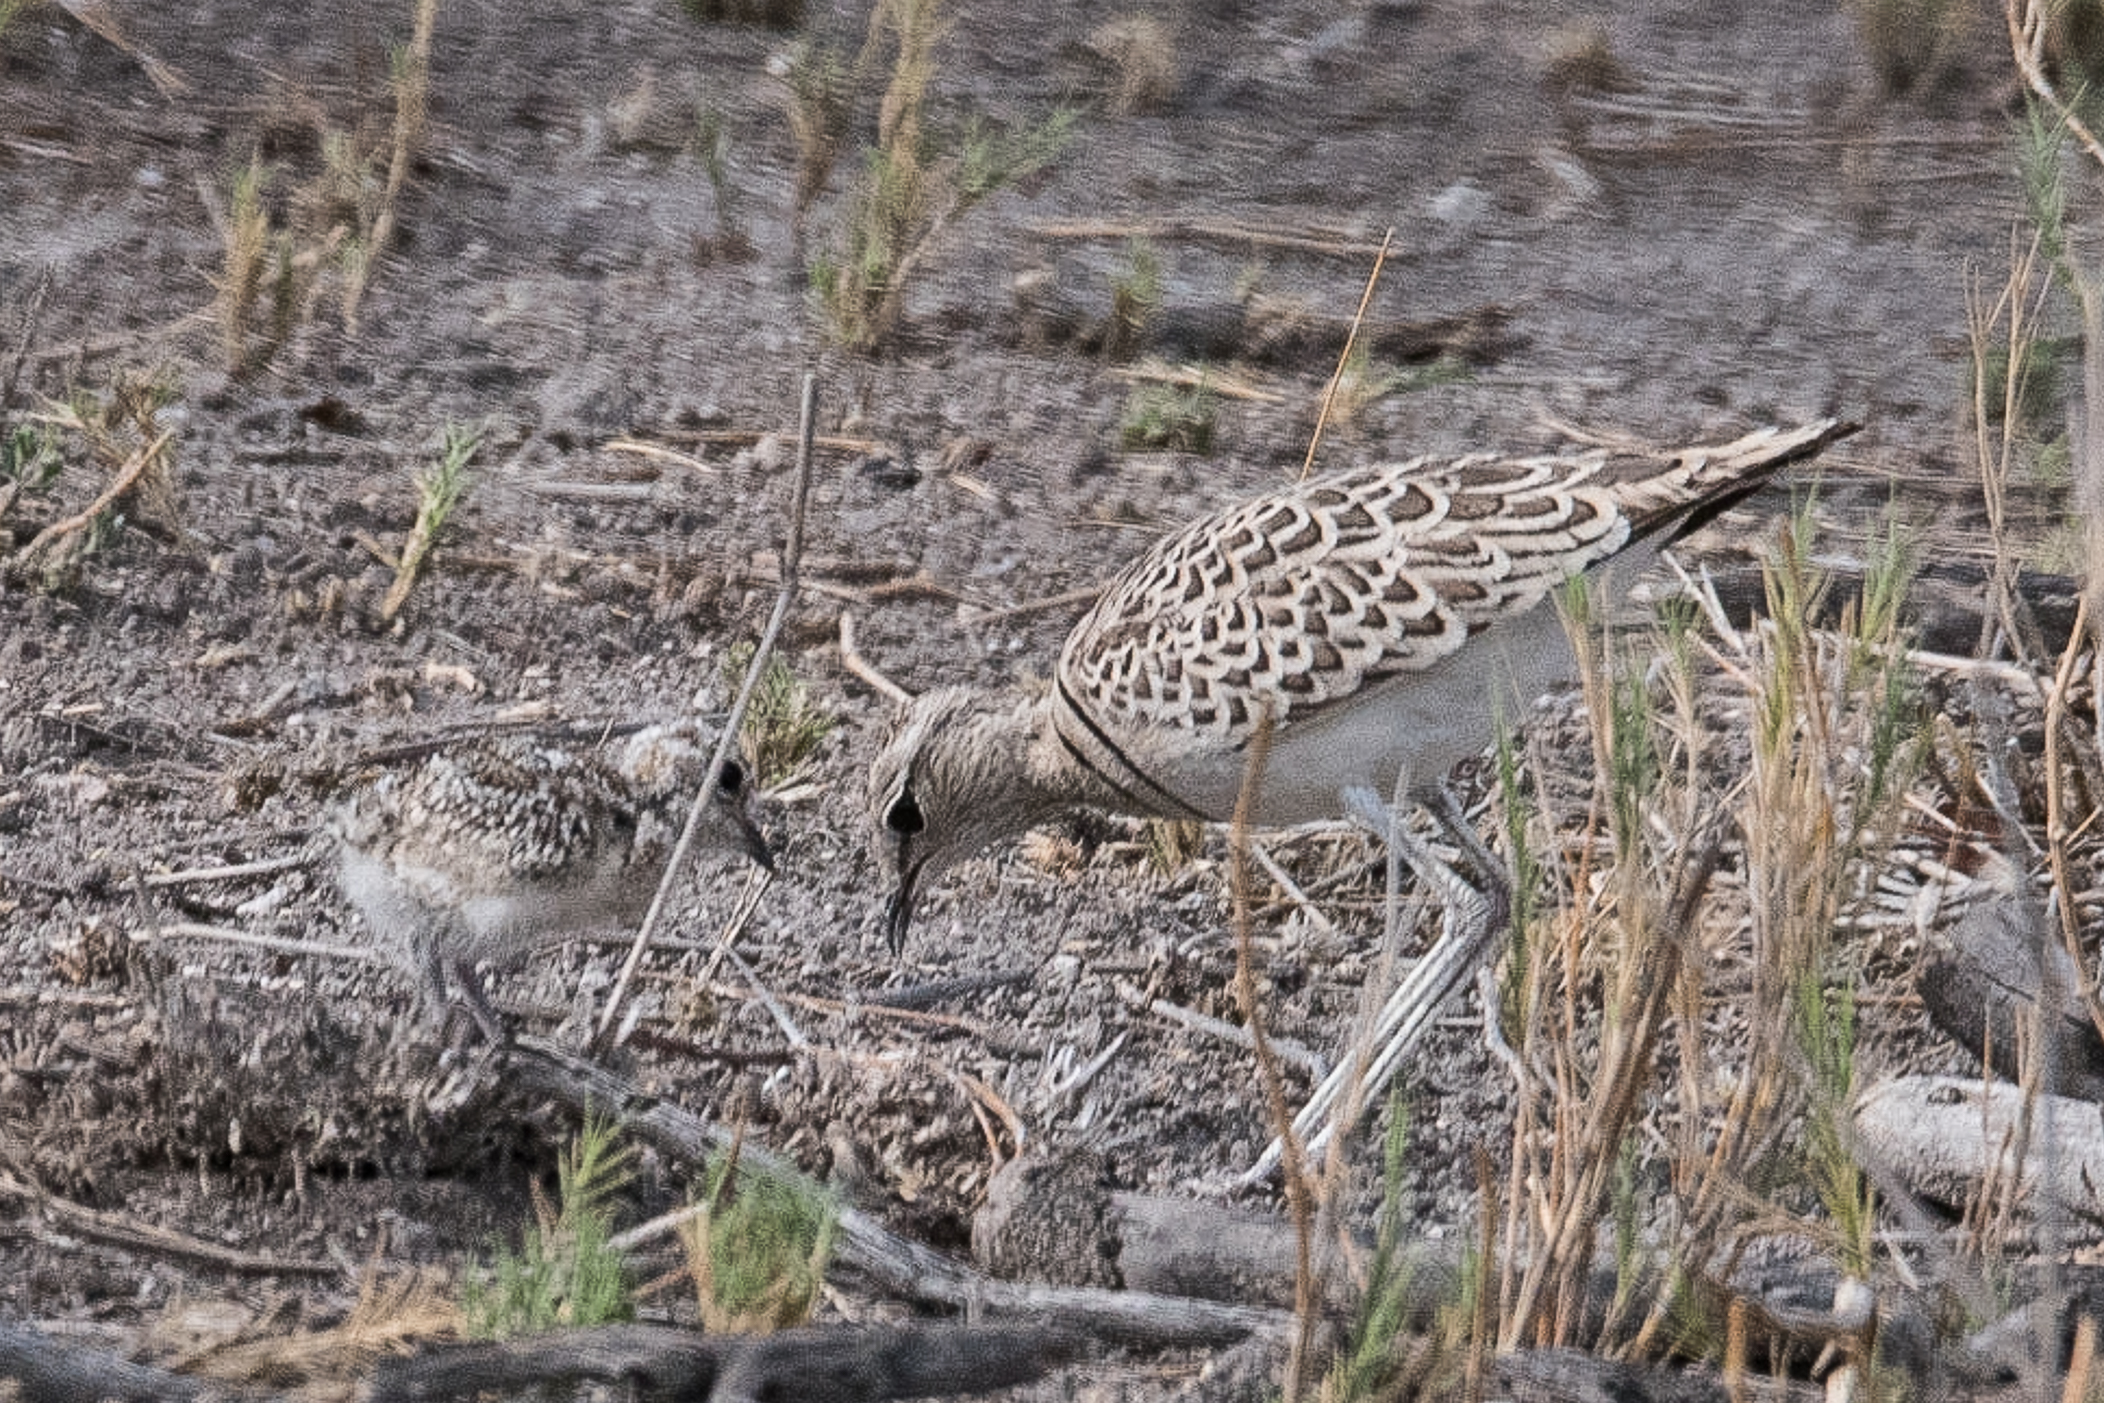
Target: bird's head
[
  {"x": 669, "y": 762},
  {"x": 950, "y": 779}
]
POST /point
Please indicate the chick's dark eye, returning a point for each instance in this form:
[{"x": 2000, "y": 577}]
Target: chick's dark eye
[
  {"x": 904, "y": 816},
  {"x": 733, "y": 781}
]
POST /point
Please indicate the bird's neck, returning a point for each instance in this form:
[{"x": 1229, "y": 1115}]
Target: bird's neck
[{"x": 1011, "y": 770}]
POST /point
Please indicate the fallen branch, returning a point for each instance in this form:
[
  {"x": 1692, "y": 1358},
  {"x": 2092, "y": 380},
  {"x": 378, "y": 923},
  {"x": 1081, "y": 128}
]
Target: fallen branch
[
  {"x": 816, "y": 1363},
  {"x": 35, "y": 1366},
  {"x": 902, "y": 1267}
]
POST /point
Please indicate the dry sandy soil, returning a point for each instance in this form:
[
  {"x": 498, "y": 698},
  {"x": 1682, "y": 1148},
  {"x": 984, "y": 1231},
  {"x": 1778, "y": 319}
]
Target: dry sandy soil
[{"x": 1743, "y": 227}]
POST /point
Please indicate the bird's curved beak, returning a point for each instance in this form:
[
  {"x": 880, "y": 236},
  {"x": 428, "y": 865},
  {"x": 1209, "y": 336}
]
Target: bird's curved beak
[{"x": 898, "y": 911}]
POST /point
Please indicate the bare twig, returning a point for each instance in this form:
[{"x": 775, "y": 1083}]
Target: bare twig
[
  {"x": 97, "y": 16},
  {"x": 781, "y": 1017},
  {"x": 851, "y": 658},
  {"x": 1065, "y": 599},
  {"x": 226, "y": 935},
  {"x": 659, "y": 451},
  {"x": 1339, "y": 244},
  {"x": 1299, "y": 1181},
  {"x": 2028, "y": 24},
  {"x": 1191, "y": 378},
  {"x": 735, "y": 926},
  {"x": 792, "y": 556},
  {"x": 1227, "y": 1032},
  {"x": 262, "y": 868},
  {"x": 147, "y": 1237},
  {"x": 127, "y": 477},
  {"x": 1291, "y": 888}
]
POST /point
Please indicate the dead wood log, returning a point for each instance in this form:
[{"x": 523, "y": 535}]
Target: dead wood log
[
  {"x": 1951, "y": 1139},
  {"x": 1573, "y": 1376},
  {"x": 905, "y": 1268},
  {"x": 1053, "y": 1217},
  {"x": 816, "y": 1363},
  {"x": 1255, "y": 331},
  {"x": 34, "y": 1368},
  {"x": 2005, "y": 981}
]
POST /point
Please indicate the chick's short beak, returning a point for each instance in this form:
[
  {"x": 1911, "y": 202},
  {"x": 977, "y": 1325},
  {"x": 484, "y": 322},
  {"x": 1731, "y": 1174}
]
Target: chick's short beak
[{"x": 755, "y": 843}]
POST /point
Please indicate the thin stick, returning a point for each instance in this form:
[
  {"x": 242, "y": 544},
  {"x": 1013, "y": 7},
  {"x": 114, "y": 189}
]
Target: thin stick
[
  {"x": 781, "y": 1017},
  {"x": 2027, "y": 45},
  {"x": 1066, "y": 599},
  {"x": 747, "y": 904},
  {"x": 1190, "y": 378},
  {"x": 851, "y": 658},
  {"x": 1351, "y": 339},
  {"x": 1291, "y": 888},
  {"x": 652, "y": 450},
  {"x": 262, "y": 868},
  {"x": 1233, "y": 1033},
  {"x": 226, "y": 935},
  {"x": 159, "y": 1241},
  {"x": 1078, "y": 1081},
  {"x": 792, "y": 557}
]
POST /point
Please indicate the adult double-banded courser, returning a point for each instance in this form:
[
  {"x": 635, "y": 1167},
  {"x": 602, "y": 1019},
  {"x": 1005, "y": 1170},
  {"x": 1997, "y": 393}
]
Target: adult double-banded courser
[{"x": 1378, "y": 621}]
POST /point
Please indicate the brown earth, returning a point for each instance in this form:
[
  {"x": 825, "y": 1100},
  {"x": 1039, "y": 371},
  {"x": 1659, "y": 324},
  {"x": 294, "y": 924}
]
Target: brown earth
[{"x": 1731, "y": 223}]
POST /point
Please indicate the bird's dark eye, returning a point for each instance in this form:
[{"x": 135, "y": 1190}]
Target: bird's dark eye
[
  {"x": 732, "y": 784},
  {"x": 904, "y": 816}
]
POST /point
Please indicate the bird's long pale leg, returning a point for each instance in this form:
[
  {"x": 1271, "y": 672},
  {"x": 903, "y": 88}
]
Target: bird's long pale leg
[
  {"x": 1473, "y": 917},
  {"x": 438, "y": 999},
  {"x": 476, "y": 999}
]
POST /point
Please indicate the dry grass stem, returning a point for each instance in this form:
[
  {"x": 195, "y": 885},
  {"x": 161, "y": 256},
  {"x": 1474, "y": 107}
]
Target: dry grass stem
[
  {"x": 412, "y": 91},
  {"x": 226, "y": 935},
  {"x": 1239, "y": 236},
  {"x": 1351, "y": 339},
  {"x": 2031, "y": 27},
  {"x": 1300, "y": 1185},
  {"x": 100, "y": 18},
  {"x": 1191, "y": 378},
  {"x": 2003, "y": 330},
  {"x": 438, "y": 492}
]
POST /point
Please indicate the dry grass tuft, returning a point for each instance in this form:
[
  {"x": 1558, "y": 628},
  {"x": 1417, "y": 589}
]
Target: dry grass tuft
[
  {"x": 390, "y": 1315},
  {"x": 1580, "y": 58},
  {"x": 1915, "y": 45},
  {"x": 1145, "y": 74},
  {"x": 438, "y": 491},
  {"x": 912, "y": 186},
  {"x": 757, "y": 1249}
]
